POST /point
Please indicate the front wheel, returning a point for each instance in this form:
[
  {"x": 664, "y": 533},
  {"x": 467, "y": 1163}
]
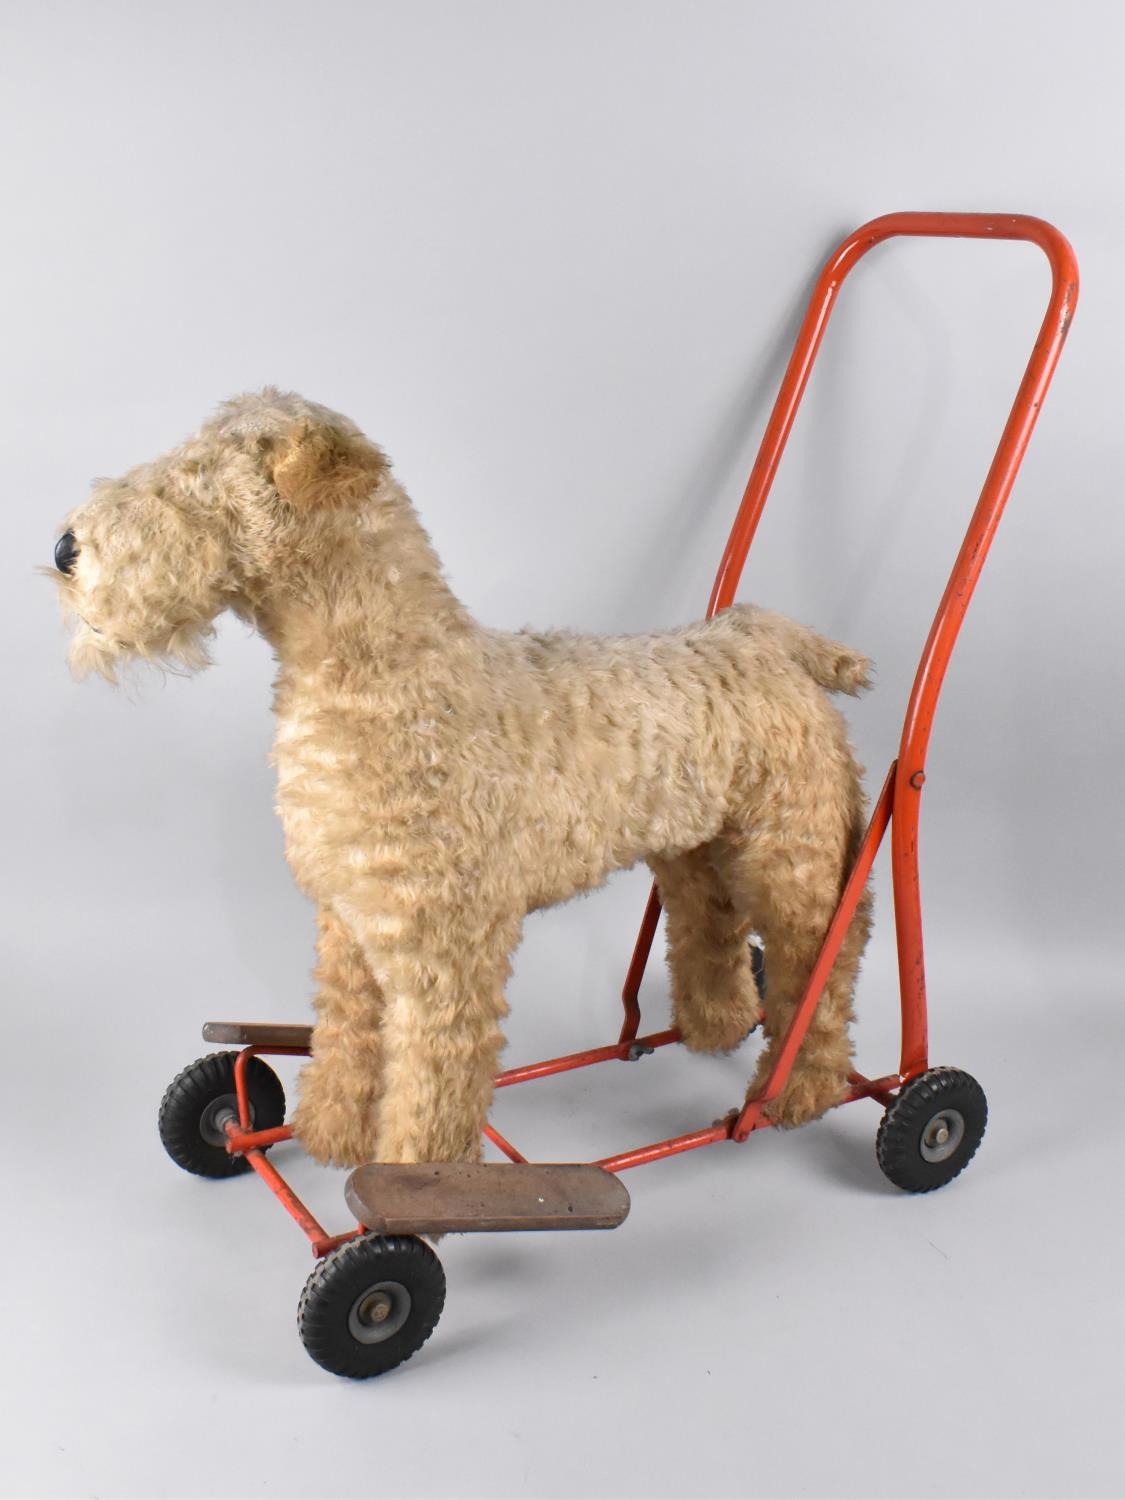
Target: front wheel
[
  {"x": 200, "y": 1101},
  {"x": 931, "y": 1130},
  {"x": 370, "y": 1304}
]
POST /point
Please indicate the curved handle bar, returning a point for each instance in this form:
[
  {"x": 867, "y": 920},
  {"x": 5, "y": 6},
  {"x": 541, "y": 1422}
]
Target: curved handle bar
[
  {"x": 1045, "y": 355},
  {"x": 918, "y": 723},
  {"x": 908, "y": 776}
]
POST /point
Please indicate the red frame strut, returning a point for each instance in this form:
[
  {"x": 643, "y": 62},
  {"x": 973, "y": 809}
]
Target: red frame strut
[{"x": 899, "y": 803}]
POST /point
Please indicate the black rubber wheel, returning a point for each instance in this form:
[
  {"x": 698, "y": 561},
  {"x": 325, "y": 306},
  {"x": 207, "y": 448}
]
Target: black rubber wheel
[
  {"x": 931, "y": 1130},
  {"x": 758, "y": 965},
  {"x": 370, "y": 1304},
  {"x": 198, "y": 1101}
]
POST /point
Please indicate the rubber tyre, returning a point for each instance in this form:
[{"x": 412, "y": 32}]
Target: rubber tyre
[
  {"x": 330, "y": 1316},
  {"x": 187, "y": 1121},
  {"x": 758, "y": 968},
  {"x": 907, "y": 1144}
]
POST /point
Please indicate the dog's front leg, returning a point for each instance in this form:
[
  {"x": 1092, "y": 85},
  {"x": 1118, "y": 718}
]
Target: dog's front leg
[
  {"x": 441, "y": 1036},
  {"x": 340, "y": 1088}
]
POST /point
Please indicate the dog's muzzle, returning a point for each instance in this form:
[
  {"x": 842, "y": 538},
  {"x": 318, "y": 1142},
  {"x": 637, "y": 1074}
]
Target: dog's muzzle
[{"x": 66, "y": 552}]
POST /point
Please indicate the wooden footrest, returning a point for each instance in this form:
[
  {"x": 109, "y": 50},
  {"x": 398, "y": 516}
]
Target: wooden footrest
[
  {"x": 258, "y": 1034},
  {"x": 451, "y": 1197}
]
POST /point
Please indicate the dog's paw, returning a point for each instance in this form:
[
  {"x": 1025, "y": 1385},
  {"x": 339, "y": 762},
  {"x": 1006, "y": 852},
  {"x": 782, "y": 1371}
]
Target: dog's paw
[
  {"x": 808, "y": 1094},
  {"x": 718, "y": 1028},
  {"x": 333, "y": 1135}
]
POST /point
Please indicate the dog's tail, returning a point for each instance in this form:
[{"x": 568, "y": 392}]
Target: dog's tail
[{"x": 832, "y": 665}]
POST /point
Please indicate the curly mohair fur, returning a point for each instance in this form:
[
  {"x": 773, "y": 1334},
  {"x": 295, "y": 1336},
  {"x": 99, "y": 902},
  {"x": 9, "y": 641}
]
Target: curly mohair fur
[{"x": 438, "y": 780}]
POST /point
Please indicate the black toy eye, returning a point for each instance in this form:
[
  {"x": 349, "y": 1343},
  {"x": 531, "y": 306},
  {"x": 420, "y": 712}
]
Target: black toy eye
[{"x": 66, "y": 552}]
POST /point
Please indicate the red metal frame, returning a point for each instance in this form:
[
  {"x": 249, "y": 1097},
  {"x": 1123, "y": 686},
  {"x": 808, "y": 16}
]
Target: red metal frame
[{"x": 898, "y": 805}]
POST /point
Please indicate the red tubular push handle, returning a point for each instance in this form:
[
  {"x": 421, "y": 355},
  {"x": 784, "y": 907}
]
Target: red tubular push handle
[
  {"x": 1064, "y": 294},
  {"x": 918, "y": 723}
]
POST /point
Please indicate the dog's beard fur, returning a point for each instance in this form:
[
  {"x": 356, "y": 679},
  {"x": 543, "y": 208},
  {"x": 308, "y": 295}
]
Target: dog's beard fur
[
  {"x": 94, "y": 650},
  {"x": 182, "y": 652}
]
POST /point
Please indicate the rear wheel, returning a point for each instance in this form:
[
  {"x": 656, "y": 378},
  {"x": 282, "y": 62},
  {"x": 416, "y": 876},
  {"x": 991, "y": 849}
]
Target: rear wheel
[{"x": 931, "y": 1130}]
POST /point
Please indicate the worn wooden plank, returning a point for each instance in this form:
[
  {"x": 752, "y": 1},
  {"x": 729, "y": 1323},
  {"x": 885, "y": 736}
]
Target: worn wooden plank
[
  {"x": 452, "y": 1197},
  {"x": 257, "y": 1034}
]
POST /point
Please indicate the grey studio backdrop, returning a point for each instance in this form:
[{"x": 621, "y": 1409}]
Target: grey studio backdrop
[{"x": 553, "y": 258}]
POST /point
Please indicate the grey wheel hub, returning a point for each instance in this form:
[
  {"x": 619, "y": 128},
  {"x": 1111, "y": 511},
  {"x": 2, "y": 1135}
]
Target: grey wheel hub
[
  {"x": 942, "y": 1135},
  {"x": 379, "y": 1312},
  {"x": 215, "y": 1118}
]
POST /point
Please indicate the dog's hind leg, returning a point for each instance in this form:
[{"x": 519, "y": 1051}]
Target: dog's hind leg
[
  {"x": 339, "y": 1089},
  {"x": 715, "y": 1000},
  {"x": 788, "y": 872}
]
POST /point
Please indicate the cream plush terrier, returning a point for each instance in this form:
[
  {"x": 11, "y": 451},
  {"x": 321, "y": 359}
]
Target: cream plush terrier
[{"x": 438, "y": 780}]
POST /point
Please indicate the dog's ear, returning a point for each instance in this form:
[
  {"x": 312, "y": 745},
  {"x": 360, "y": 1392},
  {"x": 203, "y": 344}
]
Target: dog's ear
[{"x": 323, "y": 467}]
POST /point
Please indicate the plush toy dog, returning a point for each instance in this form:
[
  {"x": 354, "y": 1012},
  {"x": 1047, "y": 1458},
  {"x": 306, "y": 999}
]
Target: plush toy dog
[{"x": 437, "y": 780}]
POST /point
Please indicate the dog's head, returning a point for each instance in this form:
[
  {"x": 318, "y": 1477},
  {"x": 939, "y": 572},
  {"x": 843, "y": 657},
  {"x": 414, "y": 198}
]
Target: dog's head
[{"x": 150, "y": 559}]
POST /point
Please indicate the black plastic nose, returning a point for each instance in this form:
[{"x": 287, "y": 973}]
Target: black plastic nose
[{"x": 66, "y": 552}]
